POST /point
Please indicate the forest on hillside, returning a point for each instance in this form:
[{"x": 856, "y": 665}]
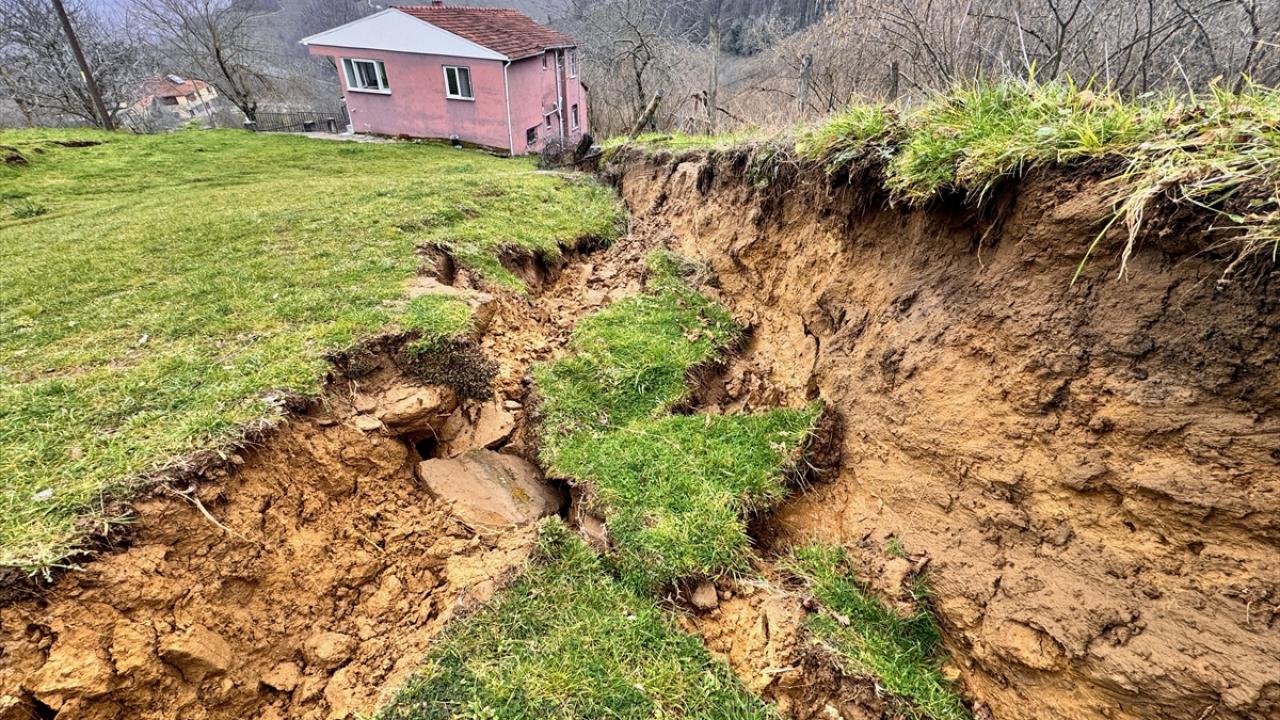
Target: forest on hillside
[{"x": 719, "y": 64}]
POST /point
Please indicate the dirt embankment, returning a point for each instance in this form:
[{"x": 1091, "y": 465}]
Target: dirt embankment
[{"x": 1091, "y": 472}]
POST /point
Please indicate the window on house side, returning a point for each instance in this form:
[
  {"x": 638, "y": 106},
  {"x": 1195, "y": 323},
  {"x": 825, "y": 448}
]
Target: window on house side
[
  {"x": 544, "y": 61},
  {"x": 366, "y": 75},
  {"x": 573, "y": 115},
  {"x": 457, "y": 83},
  {"x": 573, "y": 63},
  {"x": 548, "y": 122},
  {"x": 531, "y": 136}
]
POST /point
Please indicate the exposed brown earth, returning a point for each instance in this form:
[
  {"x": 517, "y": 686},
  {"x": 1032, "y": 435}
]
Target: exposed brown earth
[
  {"x": 1092, "y": 471},
  {"x": 307, "y": 577}
]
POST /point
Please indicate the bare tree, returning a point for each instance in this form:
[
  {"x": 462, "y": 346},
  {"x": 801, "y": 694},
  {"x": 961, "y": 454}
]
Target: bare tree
[
  {"x": 40, "y": 74},
  {"x": 223, "y": 42}
]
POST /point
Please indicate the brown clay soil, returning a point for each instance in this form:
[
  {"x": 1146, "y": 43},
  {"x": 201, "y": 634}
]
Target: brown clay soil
[{"x": 1091, "y": 472}]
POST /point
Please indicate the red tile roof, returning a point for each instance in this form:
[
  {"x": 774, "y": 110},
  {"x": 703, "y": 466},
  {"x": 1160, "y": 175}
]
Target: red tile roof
[
  {"x": 509, "y": 32},
  {"x": 166, "y": 87}
]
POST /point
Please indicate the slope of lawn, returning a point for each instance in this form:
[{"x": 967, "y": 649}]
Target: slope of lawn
[
  {"x": 569, "y": 641},
  {"x": 159, "y": 293},
  {"x": 674, "y": 489}
]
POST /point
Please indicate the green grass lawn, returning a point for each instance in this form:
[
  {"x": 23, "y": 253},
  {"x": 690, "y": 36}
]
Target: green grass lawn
[
  {"x": 160, "y": 293},
  {"x": 568, "y": 641}
]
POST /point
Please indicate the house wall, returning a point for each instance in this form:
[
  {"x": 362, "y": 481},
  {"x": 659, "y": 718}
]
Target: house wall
[
  {"x": 533, "y": 100},
  {"x": 416, "y": 105}
]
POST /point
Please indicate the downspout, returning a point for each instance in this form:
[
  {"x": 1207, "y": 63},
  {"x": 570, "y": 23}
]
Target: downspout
[
  {"x": 562, "y": 64},
  {"x": 506, "y": 91}
]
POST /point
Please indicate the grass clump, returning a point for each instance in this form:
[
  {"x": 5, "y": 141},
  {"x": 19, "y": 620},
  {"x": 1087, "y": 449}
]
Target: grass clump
[
  {"x": 436, "y": 319},
  {"x": 631, "y": 360},
  {"x": 569, "y": 641},
  {"x": 901, "y": 653},
  {"x": 972, "y": 137},
  {"x": 677, "y": 142},
  {"x": 183, "y": 284},
  {"x": 674, "y": 489},
  {"x": 843, "y": 137},
  {"x": 1219, "y": 151},
  {"x": 1220, "y": 154}
]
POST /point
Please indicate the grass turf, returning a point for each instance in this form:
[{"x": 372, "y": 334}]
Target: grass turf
[
  {"x": 172, "y": 289},
  {"x": 1219, "y": 151},
  {"x": 569, "y": 641},
  {"x": 674, "y": 489},
  {"x": 902, "y": 653},
  {"x": 436, "y": 319}
]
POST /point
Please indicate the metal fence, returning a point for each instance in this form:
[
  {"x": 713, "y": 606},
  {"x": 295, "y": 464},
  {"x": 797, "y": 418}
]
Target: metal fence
[{"x": 333, "y": 122}]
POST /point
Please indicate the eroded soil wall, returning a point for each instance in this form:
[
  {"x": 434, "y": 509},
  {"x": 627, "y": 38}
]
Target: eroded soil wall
[{"x": 1093, "y": 470}]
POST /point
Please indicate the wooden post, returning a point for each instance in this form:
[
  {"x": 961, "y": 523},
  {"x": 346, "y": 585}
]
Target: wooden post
[
  {"x": 802, "y": 97},
  {"x": 646, "y": 116},
  {"x": 101, "y": 109},
  {"x": 894, "y": 78},
  {"x": 713, "y": 89}
]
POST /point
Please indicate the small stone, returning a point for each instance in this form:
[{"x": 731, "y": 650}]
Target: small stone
[
  {"x": 493, "y": 426},
  {"x": 416, "y": 408},
  {"x": 283, "y": 677},
  {"x": 593, "y": 530},
  {"x": 511, "y": 404},
  {"x": 705, "y": 596},
  {"x": 16, "y": 708},
  {"x": 329, "y": 650},
  {"x": 197, "y": 653},
  {"x": 367, "y": 423}
]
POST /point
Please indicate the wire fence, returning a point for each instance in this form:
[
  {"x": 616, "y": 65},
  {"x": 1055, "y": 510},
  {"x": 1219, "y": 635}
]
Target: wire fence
[{"x": 334, "y": 121}]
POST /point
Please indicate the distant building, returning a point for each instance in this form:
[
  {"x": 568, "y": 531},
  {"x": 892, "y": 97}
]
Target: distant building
[
  {"x": 485, "y": 76},
  {"x": 172, "y": 99}
]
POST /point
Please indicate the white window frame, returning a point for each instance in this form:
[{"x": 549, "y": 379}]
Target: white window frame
[
  {"x": 354, "y": 81},
  {"x": 458, "y": 81},
  {"x": 573, "y": 116},
  {"x": 573, "y": 62}
]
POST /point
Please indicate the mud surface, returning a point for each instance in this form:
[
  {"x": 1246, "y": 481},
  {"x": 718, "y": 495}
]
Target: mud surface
[{"x": 1093, "y": 471}]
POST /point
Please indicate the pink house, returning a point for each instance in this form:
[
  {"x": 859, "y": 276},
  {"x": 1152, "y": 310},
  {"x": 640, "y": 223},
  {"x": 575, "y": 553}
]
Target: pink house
[{"x": 485, "y": 76}]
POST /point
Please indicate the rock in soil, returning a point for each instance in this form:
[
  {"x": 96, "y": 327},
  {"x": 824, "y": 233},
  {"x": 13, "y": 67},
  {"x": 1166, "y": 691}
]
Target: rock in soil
[
  {"x": 490, "y": 490},
  {"x": 705, "y": 596}
]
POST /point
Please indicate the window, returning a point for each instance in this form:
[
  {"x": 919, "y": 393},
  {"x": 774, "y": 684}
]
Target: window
[
  {"x": 544, "y": 61},
  {"x": 366, "y": 75},
  {"x": 573, "y": 115},
  {"x": 457, "y": 83},
  {"x": 573, "y": 63},
  {"x": 531, "y": 136},
  {"x": 548, "y": 122}
]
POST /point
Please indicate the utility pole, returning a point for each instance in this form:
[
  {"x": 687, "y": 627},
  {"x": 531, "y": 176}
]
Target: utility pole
[
  {"x": 802, "y": 97},
  {"x": 714, "y": 88},
  {"x": 94, "y": 93}
]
